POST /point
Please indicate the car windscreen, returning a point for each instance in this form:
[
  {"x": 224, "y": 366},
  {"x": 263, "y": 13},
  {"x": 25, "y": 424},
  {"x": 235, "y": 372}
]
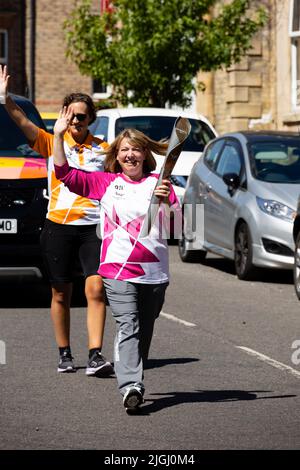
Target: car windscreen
[
  {"x": 160, "y": 128},
  {"x": 13, "y": 142},
  {"x": 276, "y": 161},
  {"x": 49, "y": 123}
]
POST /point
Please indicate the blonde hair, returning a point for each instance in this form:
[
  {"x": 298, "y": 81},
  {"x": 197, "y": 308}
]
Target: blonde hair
[{"x": 139, "y": 139}]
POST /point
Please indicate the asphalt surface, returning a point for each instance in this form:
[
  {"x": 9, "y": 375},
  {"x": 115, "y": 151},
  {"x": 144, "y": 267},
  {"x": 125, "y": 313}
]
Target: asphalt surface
[{"x": 204, "y": 390}]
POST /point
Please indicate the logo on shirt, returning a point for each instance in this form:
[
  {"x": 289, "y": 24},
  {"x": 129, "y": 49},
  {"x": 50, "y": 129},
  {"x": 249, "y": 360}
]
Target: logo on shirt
[{"x": 119, "y": 191}]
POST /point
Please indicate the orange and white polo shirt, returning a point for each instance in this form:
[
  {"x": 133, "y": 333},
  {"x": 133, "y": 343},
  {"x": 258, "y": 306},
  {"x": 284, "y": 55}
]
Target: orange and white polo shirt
[{"x": 64, "y": 206}]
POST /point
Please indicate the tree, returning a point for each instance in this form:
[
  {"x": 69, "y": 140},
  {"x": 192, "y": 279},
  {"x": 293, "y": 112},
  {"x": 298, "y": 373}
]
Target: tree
[{"x": 150, "y": 51}]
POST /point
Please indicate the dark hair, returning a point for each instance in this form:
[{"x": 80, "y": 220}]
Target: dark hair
[
  {"x": 81, "y": 97},
  {"x": 138, "y": 138}
]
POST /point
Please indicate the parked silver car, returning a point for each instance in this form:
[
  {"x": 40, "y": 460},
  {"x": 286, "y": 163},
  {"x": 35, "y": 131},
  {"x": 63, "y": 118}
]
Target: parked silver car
[{"x": 248, "y": 184}]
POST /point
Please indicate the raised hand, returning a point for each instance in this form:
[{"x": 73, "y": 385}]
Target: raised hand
[
  {"x": 62, "y": 123},
  {"x": 3, "y": 81}
]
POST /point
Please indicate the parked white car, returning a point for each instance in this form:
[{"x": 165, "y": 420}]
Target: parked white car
[{"x": 158, "y": 123}]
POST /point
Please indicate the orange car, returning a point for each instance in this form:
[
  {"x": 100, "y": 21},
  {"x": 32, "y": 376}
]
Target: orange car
[{"x": 23, "y": 197}]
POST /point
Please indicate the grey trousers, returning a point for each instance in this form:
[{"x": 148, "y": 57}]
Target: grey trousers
[{"x": 135, "y": 308}]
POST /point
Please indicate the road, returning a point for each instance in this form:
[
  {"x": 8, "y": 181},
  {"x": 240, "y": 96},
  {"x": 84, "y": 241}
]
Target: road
[{"x": 221, "y": 374}]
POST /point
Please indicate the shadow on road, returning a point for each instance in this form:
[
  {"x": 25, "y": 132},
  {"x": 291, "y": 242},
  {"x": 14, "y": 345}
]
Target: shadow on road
[
  {"x": 167, "y": 400},
  {"x": 18, "y": 293},
  {"x": 275, "y": 276},
  {"x": 153, "y": 363}
]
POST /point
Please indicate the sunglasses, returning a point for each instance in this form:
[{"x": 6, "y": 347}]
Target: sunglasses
[{"x": 80, "y": 117}]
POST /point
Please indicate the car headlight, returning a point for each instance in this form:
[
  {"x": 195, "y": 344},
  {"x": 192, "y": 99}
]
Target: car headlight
[{"x": 276, "y": 208}]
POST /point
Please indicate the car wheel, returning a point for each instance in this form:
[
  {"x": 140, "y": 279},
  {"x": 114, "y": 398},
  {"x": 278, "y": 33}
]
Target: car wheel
[
  {"x": 190, "y": 256},
  {"x": 297, "y": 266},
  {"x": 243, "y": 253}
]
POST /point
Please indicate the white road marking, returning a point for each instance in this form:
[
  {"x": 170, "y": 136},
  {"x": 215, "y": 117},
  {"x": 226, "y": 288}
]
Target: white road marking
[
  {"x": 251, "y": 352},
  {"x": 172, "y": 317},
  {"x": 269, "y": 360}
]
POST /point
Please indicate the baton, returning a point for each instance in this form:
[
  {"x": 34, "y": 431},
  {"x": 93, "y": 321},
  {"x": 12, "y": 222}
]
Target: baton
[{"x": 180, "y": 133}]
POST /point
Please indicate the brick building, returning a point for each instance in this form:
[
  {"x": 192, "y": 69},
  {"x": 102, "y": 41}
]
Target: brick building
[
  {"x": 260, "y": 92},
  {"x": 32, "y": 33},
  {"x": 12, "y": 38}
]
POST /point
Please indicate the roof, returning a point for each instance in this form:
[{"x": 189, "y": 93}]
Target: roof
[
  {"x": 254, "y": 136},
  {"x": 19, "y": 98},
  {"x": 267, "y": 134},
  {"x": 136, "y": 111}
]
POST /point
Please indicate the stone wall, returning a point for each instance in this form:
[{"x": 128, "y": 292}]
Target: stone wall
[{"x": 244, "y": 95}]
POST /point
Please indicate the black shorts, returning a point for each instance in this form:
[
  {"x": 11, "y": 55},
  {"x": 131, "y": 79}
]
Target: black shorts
[{"x": 65, "y": 245}]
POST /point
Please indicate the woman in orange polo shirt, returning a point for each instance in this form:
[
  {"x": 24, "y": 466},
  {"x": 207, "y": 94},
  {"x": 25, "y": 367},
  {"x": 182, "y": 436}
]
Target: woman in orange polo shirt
[{"x": 70, "y": 226}]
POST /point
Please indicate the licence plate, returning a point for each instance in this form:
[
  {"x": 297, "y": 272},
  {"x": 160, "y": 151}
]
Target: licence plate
[{"x": 8, "y": 226}]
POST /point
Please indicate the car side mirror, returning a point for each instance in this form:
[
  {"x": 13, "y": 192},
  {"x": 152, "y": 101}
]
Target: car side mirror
[{"x": 232, "y": 180}]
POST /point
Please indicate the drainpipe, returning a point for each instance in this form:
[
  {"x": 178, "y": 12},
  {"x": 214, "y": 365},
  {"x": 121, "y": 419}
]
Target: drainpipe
[{"x": 32, "y": 50}]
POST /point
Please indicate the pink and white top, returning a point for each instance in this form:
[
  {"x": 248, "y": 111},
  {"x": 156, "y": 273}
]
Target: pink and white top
[{"x": 124, "y": 204}]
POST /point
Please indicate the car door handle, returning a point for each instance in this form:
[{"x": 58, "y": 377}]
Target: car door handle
[{"x": 208, "y": 187}]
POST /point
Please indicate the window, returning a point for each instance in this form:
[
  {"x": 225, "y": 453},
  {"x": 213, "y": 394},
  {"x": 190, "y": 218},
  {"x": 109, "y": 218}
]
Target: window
[
  {"x": 98, "y": 87},
  {"x": 294, "y": 31},
  {"x": 295, "y": 18},
  {"x": 100, "y": 91},
  {"x": 99, "y": 128},
  {"x": 213, "y": 153},
  {"x": 3, "y": 46},
  {"x": 276, "y": 161},
  {"x": 160, "y": 127},
  {"x": 12, "y": 139},
  {"x": 230, "y": 161}
]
